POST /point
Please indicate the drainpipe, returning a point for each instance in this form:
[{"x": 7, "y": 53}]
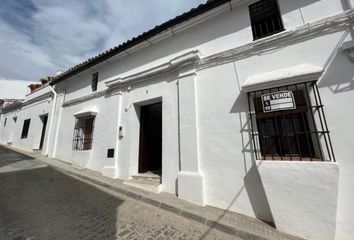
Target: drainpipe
[
  {"x": 55, "y": 96},
  {"x": 347, "y": 5},
  {"x": 120, "y": 105}
]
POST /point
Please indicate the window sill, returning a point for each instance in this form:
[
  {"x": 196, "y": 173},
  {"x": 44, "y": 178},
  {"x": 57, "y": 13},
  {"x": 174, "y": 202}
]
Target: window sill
[
  {"x": 268, "y": 35},
  {"x": 292, "y": 159}
]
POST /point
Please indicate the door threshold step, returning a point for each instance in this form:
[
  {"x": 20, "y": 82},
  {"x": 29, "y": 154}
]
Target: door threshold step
[
  {"x": 150, "y": 187},
  {"x": 151, "y": 177}
]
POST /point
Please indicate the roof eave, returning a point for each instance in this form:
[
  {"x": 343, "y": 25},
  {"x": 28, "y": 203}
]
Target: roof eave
[{"x": 141, "y": 38}]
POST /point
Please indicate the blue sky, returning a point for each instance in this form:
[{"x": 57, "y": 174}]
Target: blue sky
[{"x": 39, "y": 37}]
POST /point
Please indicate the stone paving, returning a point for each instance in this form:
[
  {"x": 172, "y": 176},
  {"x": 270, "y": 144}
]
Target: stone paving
[{"x": 38, "y": 202}]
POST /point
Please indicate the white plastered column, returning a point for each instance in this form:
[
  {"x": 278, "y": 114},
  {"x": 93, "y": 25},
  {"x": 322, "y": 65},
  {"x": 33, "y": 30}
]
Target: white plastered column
[
  {"x": 190, "y": 179},
  {"x": 113, "y": 171}
]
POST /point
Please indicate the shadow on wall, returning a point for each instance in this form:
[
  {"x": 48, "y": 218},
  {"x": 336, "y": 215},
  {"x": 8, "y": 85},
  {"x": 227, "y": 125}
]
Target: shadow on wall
[
  {"x": 345, "y": 5},
  {"x": 257, "y": 195},
  {"x": 339, "y": 74},
  {"x": 252, "y": 180}
]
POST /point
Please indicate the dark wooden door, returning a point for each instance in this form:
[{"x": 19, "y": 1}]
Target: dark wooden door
[
  {"x": 150, "y": 150},
  {"x": 44, "y": 121}
]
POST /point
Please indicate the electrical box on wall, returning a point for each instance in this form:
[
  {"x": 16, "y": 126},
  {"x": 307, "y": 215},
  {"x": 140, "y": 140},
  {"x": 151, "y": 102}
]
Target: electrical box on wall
[
  {"x": 110, "y": 153},
  {"x": 121, "y": 131}
]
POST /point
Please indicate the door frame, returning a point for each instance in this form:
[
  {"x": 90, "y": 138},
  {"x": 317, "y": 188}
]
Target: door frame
[
  {"x": 44, "y": 129},
  {"x": 141, "y": 135}
]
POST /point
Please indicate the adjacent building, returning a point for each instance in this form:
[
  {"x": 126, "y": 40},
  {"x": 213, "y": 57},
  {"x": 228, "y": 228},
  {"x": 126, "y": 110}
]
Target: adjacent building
[
  {"x": 12, "y": 90},
  {"x": 242, "y": 105},
  {"x": 24, "y": 123}
]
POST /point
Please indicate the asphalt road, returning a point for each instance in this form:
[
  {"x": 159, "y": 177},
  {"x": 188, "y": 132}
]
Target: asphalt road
[{"x": 38, "y": 202}]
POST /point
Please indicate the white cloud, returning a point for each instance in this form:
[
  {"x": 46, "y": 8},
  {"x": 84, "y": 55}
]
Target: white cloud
[{"x": 60, "y": 34}]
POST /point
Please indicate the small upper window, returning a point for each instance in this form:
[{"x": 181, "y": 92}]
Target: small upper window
[
  {"x": 5, "y": 122},
  {"x": 265, "y": 18},
  {"x": 26, "y": 125},
  {"x": 94, "y": 82}
]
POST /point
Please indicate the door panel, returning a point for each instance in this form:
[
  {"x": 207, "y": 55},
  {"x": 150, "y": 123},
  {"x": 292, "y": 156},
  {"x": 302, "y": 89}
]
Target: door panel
[
  {"x": 44, "y": 121},
  {"x": 150, "y": 138}
]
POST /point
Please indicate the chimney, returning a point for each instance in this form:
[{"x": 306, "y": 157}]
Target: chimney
[
  {"x": 34, "y": 87},
  {"x": 44, "y": 80}
]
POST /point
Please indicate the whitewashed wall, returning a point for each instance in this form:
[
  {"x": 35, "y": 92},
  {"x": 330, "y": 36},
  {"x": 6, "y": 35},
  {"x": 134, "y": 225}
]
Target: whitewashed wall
[
  {"x": 165, "y": 91},
  {"x": 8, "y": 132},
  {"x": 224, "y": 150},
  {"x": 104, "y": 134},
  {"x": 34, "y": 111},
  {"x": 336, "y": 89},
  {"x": 225, "y": 141},
  {"x": 222, "y": 32}
]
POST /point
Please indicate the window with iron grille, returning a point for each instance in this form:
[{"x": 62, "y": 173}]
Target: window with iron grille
[
  {"x": 296, "y": 132},
  {"x": 265, "y": 18},
  {"x": 83, "y": 133},
  {"x": 25, "y": 128},
  {"x": 94, "y": 82}
]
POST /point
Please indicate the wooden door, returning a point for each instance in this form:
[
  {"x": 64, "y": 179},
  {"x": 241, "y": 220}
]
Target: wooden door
[
  {"x": 44, "y": 121},
  {"x": 150, "y": 150}
]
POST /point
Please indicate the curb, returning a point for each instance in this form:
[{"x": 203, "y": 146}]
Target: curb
[{"x": 183, "y": 213}]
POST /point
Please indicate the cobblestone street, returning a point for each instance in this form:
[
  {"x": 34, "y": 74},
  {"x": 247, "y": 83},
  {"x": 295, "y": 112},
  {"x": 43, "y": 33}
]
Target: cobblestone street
[{"x": 38, "y": 202}]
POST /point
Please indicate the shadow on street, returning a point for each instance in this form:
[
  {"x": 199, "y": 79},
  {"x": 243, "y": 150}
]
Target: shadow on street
[{"x": 41, "y": 203}]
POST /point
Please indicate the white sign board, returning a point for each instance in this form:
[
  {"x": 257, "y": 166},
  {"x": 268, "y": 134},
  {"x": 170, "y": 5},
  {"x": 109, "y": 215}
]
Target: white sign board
[{"x": 278, "y": 101}]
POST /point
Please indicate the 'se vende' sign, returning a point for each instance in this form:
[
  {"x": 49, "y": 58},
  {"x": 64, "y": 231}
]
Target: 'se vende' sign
[{"x": 278, "y": 101}]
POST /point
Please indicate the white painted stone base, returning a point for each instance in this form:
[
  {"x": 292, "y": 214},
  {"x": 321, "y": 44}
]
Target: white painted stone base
[
  {"x": 191, "y": 187},
  {"x": 301, "y": 197},
  {"x": 109, "y": 171},
  {"x": 80, "y": 159}
]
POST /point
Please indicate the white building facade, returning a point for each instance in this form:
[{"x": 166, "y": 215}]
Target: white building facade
[
  {"x": 233, "y": 108},
  {"x": 25, "y": 124},
  {"x": 12, "y": 90}
]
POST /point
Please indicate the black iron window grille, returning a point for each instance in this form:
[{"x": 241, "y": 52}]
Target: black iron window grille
[
  {"x": 94, "y": 82},
  {"x": 265, "y": 18},
  {"x": 298, "y": 133},
  {"x": 25, "y": 128},
  {"x": 83, "y": 133}
]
